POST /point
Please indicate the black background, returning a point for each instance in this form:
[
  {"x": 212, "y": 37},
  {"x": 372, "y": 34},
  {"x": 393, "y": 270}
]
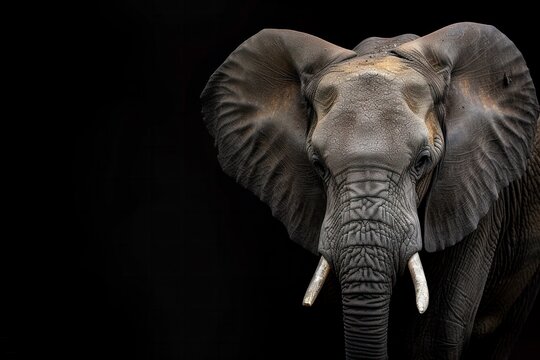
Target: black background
[{"x": 163, "y": 256}]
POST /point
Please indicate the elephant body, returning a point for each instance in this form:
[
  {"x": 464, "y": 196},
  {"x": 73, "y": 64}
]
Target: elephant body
[
  {"x": 400, "y": 149},
  {"x": 482, "y": 289}
]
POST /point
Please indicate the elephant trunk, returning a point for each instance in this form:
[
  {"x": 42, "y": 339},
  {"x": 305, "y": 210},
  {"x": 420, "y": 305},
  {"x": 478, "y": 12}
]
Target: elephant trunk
[
  {"x": 365, "y": 321},
  {"x": 366, "y": 292},
  {"x": 371, "y": 233}
]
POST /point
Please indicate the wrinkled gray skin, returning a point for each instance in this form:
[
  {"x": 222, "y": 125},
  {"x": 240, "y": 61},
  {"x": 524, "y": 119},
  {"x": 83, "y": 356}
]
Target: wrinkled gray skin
[{"x": 403, "y": 145}]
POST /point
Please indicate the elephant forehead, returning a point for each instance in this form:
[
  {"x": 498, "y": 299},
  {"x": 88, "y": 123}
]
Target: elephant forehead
[
  {"x": 390, "y": 66},
  {"x": 371, "y": 111},
  {"x": 373, "y": 78}
]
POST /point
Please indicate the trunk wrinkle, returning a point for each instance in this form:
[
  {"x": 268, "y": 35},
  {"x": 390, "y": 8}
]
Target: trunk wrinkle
[{"x": 370, "y": 231}]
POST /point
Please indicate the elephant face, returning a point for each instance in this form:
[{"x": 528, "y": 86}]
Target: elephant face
[
  {"x": 345, "y": 146},
  {"x": 376, "y": 113},
  {"x": 374, "y": 136}
]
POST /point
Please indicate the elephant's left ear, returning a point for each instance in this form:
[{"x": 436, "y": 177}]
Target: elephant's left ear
[{"x": 491, "y": 111}]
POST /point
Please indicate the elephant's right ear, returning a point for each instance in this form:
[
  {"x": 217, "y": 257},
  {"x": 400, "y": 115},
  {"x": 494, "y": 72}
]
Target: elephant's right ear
[{"x": 254, "y": 107}]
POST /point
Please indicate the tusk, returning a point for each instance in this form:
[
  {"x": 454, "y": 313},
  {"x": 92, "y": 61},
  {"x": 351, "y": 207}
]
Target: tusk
[
  {"x": 317, "y": 282},
  {"x": 420, "y": 283}
]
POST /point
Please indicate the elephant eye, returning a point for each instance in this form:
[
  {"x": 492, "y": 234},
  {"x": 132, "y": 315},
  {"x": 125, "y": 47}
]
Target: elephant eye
[
  {"x": 423, "y": 161},
  {"x": 319, "y": 166}
]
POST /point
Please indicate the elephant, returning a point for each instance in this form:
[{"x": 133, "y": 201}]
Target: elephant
[{"x": 400, "y": 149}]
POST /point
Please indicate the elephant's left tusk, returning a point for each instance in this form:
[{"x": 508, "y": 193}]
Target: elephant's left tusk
[
  {"x": 420, "y": 283},
  {"x": 317, "y": 282}
]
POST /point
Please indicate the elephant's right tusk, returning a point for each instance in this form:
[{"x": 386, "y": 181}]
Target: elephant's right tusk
[
  {"x": 420, "y": 283},
  {"x": 317, "y": 282}
]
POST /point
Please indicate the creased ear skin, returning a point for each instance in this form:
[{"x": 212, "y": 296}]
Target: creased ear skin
[
  {"x": 254, "y": 107},
  {"x": 491, "y": 113}
]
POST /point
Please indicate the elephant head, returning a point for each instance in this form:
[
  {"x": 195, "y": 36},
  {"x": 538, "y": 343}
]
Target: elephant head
[{"x": 369, "y": 156}]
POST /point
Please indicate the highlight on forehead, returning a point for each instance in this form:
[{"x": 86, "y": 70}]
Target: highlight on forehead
[
  {"x": 389, "y": 76},
  {"x": 391, "y": 72},
  {"x": 388, "y": 64},
  {"x": 386, "y": 68}
]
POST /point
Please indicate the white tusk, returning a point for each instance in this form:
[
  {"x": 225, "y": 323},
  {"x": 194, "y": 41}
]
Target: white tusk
[
  {"x": 420, "y": 283},
  {"x": 317, "y": 282}
]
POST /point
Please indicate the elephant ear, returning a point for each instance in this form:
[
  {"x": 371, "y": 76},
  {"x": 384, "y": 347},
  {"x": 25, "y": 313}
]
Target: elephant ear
[
  {"x": 491, "y": 110},
  {"x": 254, "y": 107}
]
